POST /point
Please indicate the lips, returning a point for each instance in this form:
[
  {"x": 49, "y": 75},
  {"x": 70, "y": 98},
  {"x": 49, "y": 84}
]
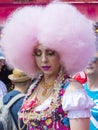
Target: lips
[{"x": 46, "y": 67}]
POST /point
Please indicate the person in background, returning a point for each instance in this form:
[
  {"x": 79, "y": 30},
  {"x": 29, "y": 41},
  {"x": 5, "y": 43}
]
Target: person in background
[
  {"x": 91, "y": 87},
  {"x": 3, "y": 88},
  {"x": 49, "y": 47},
  {"x": 5, "y": 70},
  {"x": 19, "y": 78},
  {"x": 21, "y": 83}
]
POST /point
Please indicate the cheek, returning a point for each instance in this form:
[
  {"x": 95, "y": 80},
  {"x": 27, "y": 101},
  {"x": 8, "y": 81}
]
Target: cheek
[
  {"x": 55, "y": 62},
  {"x": 96, "y": 67},
  {"x": 38, "y": 62},
  {"x": 1, "y": 64}
]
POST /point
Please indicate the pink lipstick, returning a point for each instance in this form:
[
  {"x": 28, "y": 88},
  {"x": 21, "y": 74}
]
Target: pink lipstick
[{"x": 46, "y": 68}]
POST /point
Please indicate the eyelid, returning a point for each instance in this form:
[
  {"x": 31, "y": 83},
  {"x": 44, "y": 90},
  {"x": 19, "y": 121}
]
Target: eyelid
[
  {"x": 37, "y": 52},
  {"x": 50, "y": 52}
]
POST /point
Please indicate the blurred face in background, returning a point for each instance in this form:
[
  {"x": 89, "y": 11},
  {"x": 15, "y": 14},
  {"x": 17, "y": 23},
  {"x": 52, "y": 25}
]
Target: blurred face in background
[
  {"x": 92, "y": 67},
  {"x": 2, "y": 62}
]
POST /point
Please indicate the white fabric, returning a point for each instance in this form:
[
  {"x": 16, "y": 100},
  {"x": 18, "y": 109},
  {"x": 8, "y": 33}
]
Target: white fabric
[
  {"x": 79, "y": 113},
  {"x": 3, "y": 89},
  {"x": 44, "y": 105},
  {"x": 77, "y": 104},
  {"x": 76, "y": 100}
]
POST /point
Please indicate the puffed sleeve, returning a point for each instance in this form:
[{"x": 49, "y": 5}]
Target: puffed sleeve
[{"x": 77, "y": 103}]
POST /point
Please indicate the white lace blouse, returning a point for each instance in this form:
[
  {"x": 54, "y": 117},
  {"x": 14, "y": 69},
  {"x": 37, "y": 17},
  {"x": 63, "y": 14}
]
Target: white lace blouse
[{"x": 77, "y": 103}]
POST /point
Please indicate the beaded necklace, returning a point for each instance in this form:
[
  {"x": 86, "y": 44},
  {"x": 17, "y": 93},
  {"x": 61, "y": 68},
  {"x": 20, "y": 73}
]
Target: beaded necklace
[{"x": 29, "y": 114}]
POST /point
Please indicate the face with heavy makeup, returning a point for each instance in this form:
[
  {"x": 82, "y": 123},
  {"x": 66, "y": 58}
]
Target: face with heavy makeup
[{"x": 47, "y": 60}]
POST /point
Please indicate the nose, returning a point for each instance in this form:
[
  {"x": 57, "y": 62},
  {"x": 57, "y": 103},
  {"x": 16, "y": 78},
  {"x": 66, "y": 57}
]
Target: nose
[{"x": 44, "y": 57}]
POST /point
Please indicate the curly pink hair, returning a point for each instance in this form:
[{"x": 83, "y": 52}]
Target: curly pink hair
[{"x": 59, "y": 26}]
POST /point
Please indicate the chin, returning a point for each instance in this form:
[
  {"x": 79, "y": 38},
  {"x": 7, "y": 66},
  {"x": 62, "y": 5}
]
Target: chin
[
  {"x": 89, "y": 72},
  {"x": 47, "y": 73}
]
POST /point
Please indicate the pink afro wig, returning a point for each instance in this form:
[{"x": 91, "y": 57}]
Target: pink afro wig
[
  {"x": 20, "y": 36},
  {"x": 59, "y": 26}
]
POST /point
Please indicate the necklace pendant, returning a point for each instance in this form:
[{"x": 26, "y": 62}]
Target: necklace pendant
[{"x": 44, "y": 92}]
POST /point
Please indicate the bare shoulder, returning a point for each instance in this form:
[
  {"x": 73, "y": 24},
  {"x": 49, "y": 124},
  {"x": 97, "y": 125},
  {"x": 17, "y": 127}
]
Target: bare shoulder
[{"x": 74, "y": 85}]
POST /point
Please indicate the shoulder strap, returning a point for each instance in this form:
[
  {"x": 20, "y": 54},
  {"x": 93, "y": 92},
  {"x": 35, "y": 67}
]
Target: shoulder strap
[
  {"x": 1, "y": 101},
  {"x": 14, "y": 99}
]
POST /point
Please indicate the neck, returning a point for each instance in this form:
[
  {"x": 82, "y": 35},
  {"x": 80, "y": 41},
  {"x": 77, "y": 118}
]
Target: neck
[
  {"x": 21, "y": 89},
  {"x": 53, "y": 77},
  {"x": 92, "y": 81},
  {"x": 48, "y": 79}
]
